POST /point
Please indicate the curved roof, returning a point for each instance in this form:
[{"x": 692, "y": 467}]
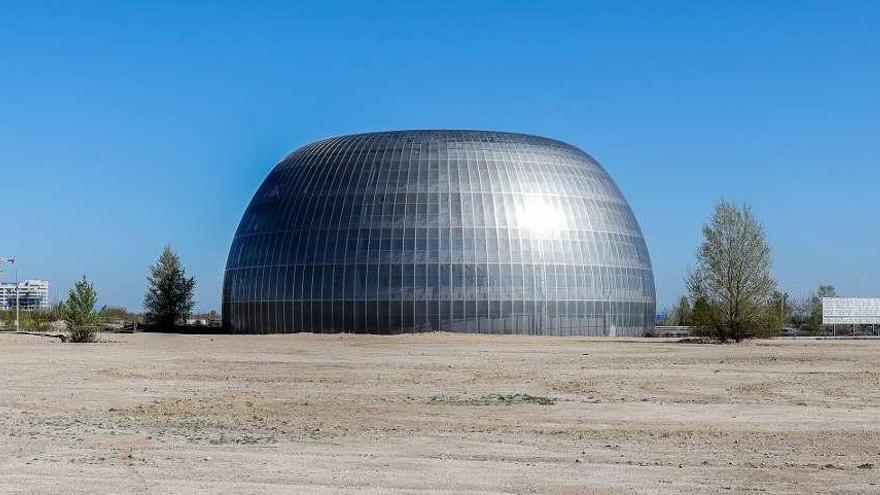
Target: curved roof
[{"x": 529, "y": 234}]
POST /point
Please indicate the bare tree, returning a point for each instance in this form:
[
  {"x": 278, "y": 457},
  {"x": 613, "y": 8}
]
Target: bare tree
[{"x": 732, "y": 271}]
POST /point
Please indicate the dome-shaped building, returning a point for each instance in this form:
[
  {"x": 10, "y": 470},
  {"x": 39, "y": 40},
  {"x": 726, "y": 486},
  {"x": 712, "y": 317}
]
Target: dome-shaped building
[{"x": 462, "y": 231}]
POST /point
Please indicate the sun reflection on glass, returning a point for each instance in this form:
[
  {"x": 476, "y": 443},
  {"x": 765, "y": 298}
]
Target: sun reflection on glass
[{"x": 540, "y": 216}]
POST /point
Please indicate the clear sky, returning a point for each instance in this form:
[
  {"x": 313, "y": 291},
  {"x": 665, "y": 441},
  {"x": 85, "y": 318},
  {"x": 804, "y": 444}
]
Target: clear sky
[{"x": 128, "y": 126}]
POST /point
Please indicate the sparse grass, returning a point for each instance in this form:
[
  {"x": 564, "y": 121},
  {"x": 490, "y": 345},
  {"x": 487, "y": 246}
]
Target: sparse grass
[
  {"x": 493, "y": 400},
  {"x": 244, "y": 439}
]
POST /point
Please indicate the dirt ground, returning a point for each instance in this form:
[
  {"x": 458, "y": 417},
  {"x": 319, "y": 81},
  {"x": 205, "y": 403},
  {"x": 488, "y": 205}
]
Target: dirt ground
[{"x": 436, "y": 413}]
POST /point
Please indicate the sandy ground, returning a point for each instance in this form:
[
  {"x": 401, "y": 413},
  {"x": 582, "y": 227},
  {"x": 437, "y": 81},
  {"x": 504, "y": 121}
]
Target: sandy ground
[{"x": 436, "y": 413}]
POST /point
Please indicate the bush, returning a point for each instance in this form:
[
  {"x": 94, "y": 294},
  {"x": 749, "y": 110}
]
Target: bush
[
  {"x": 709, "y": 322},
  {"x": 83, "y": 323},
  {"x": 83, "y": 334},
  {"x": 706, "y": 320},
  {"x": 38, "y": 321},
  {"x": 30, "y": 321}
]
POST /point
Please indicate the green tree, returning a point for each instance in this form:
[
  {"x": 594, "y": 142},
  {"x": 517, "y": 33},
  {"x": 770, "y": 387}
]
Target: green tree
[
  {"x": 814, "y": 322},
  {"x": 777, "y": 314},
  {"x": 683, "y": 312},
  {"x": 705, "y": 318},
  {"x": 169, "y": 296},
  {"x": 83, "y": 323},
  {"x": 826, "y": 291},
  {"x": 733, "y": 271},
  {"x": 115, "y": 313}
]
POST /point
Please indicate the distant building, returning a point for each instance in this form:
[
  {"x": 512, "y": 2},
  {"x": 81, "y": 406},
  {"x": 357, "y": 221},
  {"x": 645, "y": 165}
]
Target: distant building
[
  {"x": 32, "y": 295},
  {"x": 851, "y": 311}
]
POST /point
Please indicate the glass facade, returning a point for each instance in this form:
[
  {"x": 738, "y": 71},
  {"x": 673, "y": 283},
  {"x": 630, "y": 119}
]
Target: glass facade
[{"x": 461, "y": 231}]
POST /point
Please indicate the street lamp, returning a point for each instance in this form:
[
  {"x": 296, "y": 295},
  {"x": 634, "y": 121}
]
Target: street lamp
[{"x": 17, "y": 285}]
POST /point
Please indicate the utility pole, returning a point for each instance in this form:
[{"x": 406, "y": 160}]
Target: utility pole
[{"x": 782, "y": 300}]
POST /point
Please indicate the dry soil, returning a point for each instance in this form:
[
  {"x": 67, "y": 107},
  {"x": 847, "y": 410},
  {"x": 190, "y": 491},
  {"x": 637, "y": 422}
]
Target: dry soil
[{"x": 436, "y": 413}]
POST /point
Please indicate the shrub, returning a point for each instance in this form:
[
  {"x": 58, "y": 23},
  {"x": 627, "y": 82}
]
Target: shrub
[
  {"x": 83, "y": 334},
  {"x": 83, "y": 323}
]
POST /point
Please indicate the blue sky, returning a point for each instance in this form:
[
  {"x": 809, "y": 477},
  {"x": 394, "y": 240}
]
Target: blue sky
[{"x": 128, "y": 126}]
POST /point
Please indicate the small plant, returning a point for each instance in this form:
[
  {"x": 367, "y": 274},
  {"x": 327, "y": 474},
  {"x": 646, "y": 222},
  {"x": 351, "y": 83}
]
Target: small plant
[
  {"x": 83, "y": 323},
  {"x": 83, "y": 334}
]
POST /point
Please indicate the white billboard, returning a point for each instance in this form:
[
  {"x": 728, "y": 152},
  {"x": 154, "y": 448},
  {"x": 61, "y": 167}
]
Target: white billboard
[{"x": 851, "y": 310}]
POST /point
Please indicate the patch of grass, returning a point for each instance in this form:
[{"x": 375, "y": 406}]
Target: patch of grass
[
  {"x": 492, "y": 400},
  {"x": 699, "y": 340},
  {"x": 243, "y": 439}
]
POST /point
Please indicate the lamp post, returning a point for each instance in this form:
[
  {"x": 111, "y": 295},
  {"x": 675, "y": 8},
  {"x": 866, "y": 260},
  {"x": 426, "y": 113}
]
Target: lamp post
[{"x": 17, "y": 285}]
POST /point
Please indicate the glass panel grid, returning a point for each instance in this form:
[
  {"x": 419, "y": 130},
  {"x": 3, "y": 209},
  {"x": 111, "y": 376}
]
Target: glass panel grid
[{"x": 439, "y": 230}]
